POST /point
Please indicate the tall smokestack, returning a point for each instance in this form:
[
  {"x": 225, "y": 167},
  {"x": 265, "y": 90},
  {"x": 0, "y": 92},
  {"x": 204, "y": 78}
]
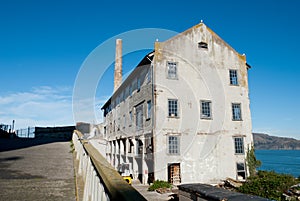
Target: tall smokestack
[{"x": 118, "y": 65}]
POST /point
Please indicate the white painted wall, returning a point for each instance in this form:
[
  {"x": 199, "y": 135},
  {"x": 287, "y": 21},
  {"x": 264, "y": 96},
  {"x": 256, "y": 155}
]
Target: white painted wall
[{"x": 206, "y": 146}]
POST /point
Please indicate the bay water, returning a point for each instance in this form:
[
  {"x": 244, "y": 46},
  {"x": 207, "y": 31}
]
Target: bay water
[{"x": 281, "y": 161}]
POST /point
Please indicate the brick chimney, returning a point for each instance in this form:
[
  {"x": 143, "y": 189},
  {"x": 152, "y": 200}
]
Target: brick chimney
[{"x": 118, "y": 65}]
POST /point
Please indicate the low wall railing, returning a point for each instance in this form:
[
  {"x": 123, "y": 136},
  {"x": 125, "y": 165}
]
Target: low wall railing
[{"x": 101, "y": 180}]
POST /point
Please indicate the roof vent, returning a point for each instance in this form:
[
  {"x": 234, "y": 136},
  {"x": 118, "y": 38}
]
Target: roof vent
[{"x": 202, "y": 45}]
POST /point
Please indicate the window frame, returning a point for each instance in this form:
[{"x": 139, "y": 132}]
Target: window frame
[
  {"x": 130, "y": 118},
  {"x": 149, "y": 76},
  {"x": 239, "y": 148},
  {"x": 170, "y": 114},
  {"x": 236, "y": 117},
  {"x": 139, "y": 121},
  {"x": 233, "y": 77},
  {"x": 149, "y": 109},
  {"x": 139, "y": 147},
  {"x": 241, "y": 171},
  {"x": 174, "y": 147},
  {"x": 130, "y": 90},
  {"x": 169, "y": 71},
  {"x": 138, "y": 84},
  {"x": 202, "y": 115}
]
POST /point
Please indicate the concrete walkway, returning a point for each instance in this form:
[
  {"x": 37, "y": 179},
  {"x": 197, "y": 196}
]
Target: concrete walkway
[
  {"x": 151, "y": 195},
  {"x": 31, "y": 170}
]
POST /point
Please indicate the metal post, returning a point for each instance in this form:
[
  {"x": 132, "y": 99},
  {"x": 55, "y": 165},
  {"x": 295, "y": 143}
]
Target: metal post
[{"x": 13, "y": 125}]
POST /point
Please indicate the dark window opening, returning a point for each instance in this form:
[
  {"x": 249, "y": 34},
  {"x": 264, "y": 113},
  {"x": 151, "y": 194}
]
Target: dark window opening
[
  {"x": 202, "y": 45},
  {"x": 241, "y": 172}
]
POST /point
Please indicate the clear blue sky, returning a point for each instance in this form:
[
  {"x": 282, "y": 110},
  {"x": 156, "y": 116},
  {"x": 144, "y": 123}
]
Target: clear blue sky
[{"x": 44, "y": 43}]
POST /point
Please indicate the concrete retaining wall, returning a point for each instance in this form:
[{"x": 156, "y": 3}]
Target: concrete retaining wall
[{"x": 101, "y": 181}]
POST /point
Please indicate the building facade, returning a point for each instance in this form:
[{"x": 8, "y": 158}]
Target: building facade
[{"x": 183, "y": 114}]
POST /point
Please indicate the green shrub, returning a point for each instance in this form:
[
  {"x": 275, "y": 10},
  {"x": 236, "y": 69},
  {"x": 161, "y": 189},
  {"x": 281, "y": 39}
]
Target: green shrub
[
  {"x": 252, "y": 162},
  {"x": 159, "y": 184},
  {"x": 268, "y": 184}
]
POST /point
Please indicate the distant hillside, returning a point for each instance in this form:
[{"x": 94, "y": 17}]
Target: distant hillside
[{"x": 264, "y": 141}]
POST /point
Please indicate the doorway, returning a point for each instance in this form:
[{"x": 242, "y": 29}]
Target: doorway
[{"x": 174, "y": 176}]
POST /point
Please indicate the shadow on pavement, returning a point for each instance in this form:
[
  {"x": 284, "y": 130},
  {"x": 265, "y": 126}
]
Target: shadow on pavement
[{"x": 20, "y": 143}]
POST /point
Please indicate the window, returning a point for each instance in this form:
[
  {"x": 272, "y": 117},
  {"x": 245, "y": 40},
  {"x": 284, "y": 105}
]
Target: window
[
  {"x": 138, "y": 84},
  {"x": 148, "y": 144},
  {"x": 149, "y": 109},
  {"x": 139, "y": 117},
  {"x": 202, "y": 45},
  {"x": 139, "y": 147},
  {"x": 126, "y": 94},
  {"x": 173, "y": 107},
  {"x": 233, "y": 77},
  {"x": 236, "y": 112},
  {"x": 173, "y": 142},
  {"x": 124, "y": 125},
  {"x": 205, "y": 109},
  {"x": 172, "y": 70},
  {"x": 239, "y": 145},
  {"x": 240, "y": 169},
  {"x": 114, "y": 126},
  {"x": 130, "y": 118},
  {"x": 149, "y": 76},
  {"x": 119, "y": 123},
  {"x": 130, "y": 90},
  {"x": 131, "y": 145},
  {"x": 117, "y": 100}
]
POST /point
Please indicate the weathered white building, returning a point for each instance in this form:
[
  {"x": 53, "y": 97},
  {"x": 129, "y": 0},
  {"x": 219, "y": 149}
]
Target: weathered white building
[{"x": 183, "y": 114}]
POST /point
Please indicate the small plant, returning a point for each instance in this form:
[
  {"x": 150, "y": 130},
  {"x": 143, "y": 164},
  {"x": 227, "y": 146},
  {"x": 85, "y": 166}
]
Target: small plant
[
  {"x": 159, "y": 184},
  {"x": 72, "y": 147}
]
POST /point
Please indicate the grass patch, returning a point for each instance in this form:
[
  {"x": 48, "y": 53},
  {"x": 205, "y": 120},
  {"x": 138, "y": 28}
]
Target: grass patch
[{"x": 159, "y": 184}]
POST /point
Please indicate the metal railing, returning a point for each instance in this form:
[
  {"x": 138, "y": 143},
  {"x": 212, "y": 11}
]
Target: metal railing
[
  {"x": 101, "y": 180},
  {"x": 26, "y": 132}
]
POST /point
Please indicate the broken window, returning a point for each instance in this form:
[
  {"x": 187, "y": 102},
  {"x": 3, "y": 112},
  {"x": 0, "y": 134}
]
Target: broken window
[
  {"x": 131, "y": 145},
  {"x": 236, "y": 112},
  {"x": 239, "y": 145},
  {"x": 130, "y": 90},
  {"x": 202, "y": 45},
  {"x": 173, "y": 107},
  {"x": 173, "y": 144},
  {"x": 149, "y": 109},
  {"x": 119, "y": 123},
  {"x": 124, "y": 123},
  {"x": 139, "y": 117},
  {"x": 139, "y": 147},
  {"x": 148, "y": 146},
  {"x": 138, "y": 84},
  {"x": 233, "y": 77},
  {"x": 172, "y": 70},
  {"x": 241, "y": 172},
  {"x": 149, "y": 76},
  {"x": 205, "y": 109},
  {"x": 130, "y": 118}
]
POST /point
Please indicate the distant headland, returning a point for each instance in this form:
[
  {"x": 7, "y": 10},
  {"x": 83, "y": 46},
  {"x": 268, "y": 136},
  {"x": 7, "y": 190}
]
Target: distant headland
[{"x": 265, "y": 141}]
